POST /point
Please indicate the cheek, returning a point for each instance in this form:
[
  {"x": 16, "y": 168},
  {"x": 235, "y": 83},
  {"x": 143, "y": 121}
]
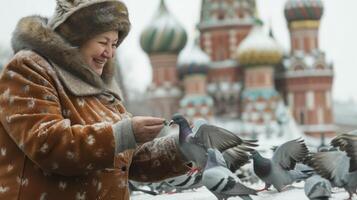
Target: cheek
[{"x": 95, "y": 51}]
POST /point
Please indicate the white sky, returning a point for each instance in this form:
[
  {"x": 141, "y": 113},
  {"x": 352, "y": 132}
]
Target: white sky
[{"x": 338, "y": 34}]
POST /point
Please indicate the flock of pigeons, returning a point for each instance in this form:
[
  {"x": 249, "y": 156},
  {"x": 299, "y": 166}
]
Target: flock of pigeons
[{"x": 217, "y": 153}]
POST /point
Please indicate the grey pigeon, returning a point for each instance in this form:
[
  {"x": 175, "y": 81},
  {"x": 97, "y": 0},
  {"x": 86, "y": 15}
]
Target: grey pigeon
[
  {"x": 334, "y": 166},
  {"x": 186, "y": 181},
  {"x": 194, "y": 145},
  {"x": 280, "y": 170},
  {"x": 221, "y": 181},
  {"x": 348, "y": 143},
  {"x": 234, "y": 157},
  {"x": 317, "y": 188}
]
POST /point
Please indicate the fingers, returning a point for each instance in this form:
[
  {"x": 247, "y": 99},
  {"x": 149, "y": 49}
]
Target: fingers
[
  {"x": 154, "y": 129},
  {"x": 151, "y": 130},
  {"x": 151, "y": 121},
  {"x": 146, "y": 128}
]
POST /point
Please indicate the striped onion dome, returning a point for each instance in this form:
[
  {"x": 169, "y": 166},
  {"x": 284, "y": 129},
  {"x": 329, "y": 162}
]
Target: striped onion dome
[
  {"x": 193, "y": 61},
  {"x": 303, "y": 10},
  {"x": 259, "y": 49},
  {"x": 164, "y": 34}
]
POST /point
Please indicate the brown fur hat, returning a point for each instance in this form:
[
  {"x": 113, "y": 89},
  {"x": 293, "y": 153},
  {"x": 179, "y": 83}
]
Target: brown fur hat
[{"x": 79, "y": 20}]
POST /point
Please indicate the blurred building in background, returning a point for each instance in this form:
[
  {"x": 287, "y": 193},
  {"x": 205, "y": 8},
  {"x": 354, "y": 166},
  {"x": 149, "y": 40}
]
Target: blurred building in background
[{"x": 237, "y": 71}]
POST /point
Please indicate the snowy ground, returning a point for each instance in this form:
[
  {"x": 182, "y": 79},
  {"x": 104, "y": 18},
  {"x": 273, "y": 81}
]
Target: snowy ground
[{"x": 291, "y": 193}]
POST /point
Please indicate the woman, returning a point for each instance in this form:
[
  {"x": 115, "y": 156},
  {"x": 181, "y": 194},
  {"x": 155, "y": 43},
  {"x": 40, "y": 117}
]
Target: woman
[{"x": 64, "y": 133}]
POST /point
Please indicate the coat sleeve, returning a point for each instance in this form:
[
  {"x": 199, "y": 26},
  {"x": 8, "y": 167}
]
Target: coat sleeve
[
  {"x": 157, "y": 160},
  {"x": 31, "y": 114}
]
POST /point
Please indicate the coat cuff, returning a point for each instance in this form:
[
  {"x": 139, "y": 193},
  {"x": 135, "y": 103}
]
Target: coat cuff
[{"x": 124, "y": 136}]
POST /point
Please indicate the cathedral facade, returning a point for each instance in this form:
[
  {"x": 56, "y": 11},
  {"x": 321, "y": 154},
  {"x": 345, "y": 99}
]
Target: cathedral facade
[{"x": 236, "y": 71}]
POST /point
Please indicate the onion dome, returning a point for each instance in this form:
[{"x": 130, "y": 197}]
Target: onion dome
[
  {"x": 193, "y": 61},
  {"x": 303, "y": 10},
  {"x": 164, "y": 34},
  {"x": 259, "y": 49}
]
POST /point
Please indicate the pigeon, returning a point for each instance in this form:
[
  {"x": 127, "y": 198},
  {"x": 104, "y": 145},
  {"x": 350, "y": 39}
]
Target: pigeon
[
  {"x": 185, "y": 181},
  {"x": 334, "y": 166},
  {"x": 194, "y": 144},
  {"x": 234, "y": 157},
  {"x": 348, "y": 143},
  {"x": 221, "y": 181},
  {"x": 280, "y": 170},
  {"x": 317, "y": 188}
]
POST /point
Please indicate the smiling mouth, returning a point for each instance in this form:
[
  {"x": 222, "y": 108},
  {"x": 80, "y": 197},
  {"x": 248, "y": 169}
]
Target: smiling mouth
[{"x": 98, "y": 61}]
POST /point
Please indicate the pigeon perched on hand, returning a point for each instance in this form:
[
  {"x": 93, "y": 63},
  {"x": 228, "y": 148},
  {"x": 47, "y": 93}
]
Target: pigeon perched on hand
[
  {"x": 334, "y": 166},
  {"x": 221, "y": 181},
  {"x": 194, "y": 145},
  {"x": 348, "y": 143},
  {"x": 280, "y": 170},
  {"x": 317, "y": 188}
]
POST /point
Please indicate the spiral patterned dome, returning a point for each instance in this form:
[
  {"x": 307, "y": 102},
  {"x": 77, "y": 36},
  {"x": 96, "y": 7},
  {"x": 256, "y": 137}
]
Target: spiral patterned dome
[
  {"x": 164, "y": 34},
  {"x": 303, "y": 10},
  {"x": 258, "y": 49},
  {"x": 193, "y": 61}
]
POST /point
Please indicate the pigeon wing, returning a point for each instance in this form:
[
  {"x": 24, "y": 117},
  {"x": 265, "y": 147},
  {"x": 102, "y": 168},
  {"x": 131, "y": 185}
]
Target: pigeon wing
[
  {"x": 211, "y": 136},
  {"x": 235, "y": 158},
  {"x": 348, "y": 143},
  {"x": 289, "y": 153},
  {"x": 331, "y": 165}
]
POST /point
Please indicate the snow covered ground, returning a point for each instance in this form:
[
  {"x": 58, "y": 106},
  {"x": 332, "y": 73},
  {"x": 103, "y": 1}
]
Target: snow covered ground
[{"x": 295, "y": 192}]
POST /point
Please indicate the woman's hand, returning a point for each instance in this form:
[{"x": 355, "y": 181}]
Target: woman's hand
[{"x": 146, "y": 128}]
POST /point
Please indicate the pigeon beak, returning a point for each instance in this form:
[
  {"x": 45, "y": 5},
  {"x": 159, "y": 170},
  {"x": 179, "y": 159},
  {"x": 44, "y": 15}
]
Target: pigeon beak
[{"x": 171, "y": 122}]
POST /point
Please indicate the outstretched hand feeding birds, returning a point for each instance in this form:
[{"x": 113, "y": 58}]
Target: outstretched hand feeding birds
[{"x": 194, "y": 144}]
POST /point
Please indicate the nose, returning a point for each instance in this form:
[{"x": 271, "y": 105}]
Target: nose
[{"x": 109, "y": 52}]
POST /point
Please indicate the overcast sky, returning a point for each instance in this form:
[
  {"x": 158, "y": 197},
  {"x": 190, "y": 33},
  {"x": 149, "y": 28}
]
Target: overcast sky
[{"x": 338, "y": 34}]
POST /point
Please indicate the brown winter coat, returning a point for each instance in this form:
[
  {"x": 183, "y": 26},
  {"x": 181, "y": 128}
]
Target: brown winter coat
[{"x": 56, "y": 135}]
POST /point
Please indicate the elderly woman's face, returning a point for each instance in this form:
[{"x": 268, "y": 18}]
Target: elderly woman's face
[{"x": 99, "y": 49}]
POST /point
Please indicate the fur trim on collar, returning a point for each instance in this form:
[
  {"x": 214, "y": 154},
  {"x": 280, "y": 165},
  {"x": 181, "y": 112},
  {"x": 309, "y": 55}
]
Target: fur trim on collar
[{"x": 32, "y": 33}]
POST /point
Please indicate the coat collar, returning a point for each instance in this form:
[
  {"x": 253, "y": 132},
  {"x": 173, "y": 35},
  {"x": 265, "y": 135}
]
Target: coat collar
[{"x": 32, "y": 33}]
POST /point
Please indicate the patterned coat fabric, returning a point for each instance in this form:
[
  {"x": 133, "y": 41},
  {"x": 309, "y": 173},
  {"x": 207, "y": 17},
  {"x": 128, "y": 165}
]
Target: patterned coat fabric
[{"x": 56, "y": 135}]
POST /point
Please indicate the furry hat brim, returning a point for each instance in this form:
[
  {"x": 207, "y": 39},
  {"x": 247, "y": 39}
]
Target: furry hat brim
[{"x": 94, "y": 19}]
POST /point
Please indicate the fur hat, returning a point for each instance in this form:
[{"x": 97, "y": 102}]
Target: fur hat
[{"x": 79, "y": 20}]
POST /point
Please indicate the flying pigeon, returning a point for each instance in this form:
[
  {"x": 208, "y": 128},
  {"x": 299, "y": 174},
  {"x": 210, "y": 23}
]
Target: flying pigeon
[
  {"x": 280, "y": 170},
  {"x": 334, "y": 166},
  {"x": 234, "y": 157},
  {"x": 348, "y": 143},
  {"x": 194, "y": 144},
  {"x": 221, "y": 181},
  {"x": 317, "y": 188}
]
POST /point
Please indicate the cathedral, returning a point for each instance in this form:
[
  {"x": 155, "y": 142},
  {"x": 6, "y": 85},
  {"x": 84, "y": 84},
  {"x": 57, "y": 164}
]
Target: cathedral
[{"x": 235, "y": 71}]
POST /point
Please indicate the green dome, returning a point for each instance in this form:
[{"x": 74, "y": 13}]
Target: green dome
[{"x": 164, "y": 34}]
